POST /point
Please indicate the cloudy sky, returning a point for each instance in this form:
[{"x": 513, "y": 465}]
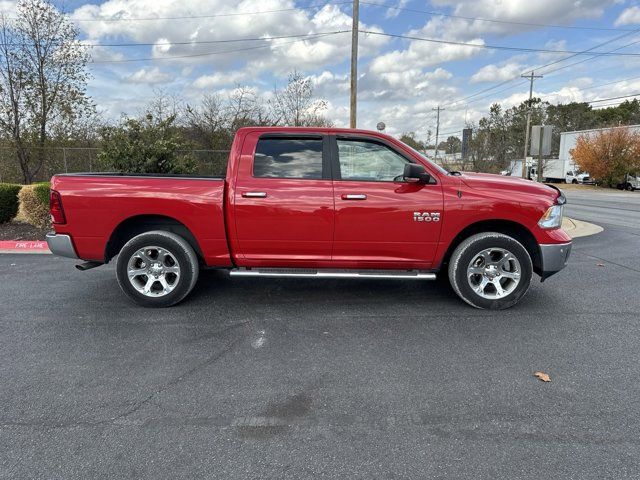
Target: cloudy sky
[{"x": 186, "y": 50}]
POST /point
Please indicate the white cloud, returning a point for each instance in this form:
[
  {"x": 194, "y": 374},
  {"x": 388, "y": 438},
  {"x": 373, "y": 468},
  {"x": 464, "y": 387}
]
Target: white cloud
[
  {"x": 630, "y": 16},
  {"x": 497, "y": 73},
  {"x": 219, "y": 79},
  {"x": 8, "y": 7},
  {"x": 422, "y": 55},
  {"x": 394, "y": 12},
  {"x": 150, "y": 76},
  {"x": 282, "y": 55},
  {"x": 526, "y": 11}
]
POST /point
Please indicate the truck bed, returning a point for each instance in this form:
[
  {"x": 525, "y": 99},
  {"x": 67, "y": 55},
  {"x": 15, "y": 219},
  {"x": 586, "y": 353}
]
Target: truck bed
[{"x": 96, "y": 204}]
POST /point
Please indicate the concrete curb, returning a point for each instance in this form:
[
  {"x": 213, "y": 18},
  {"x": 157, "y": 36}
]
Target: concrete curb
[{"x": 578, "y": 228}]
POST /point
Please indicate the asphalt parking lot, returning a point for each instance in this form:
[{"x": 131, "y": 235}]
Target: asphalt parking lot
[{"x": 256, "y": 378}]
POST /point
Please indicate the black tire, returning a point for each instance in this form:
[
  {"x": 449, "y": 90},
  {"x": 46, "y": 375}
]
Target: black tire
[
  {"x": 179, "y": 248},
  {"x": 471, "y": 248},
  {"x": 574, "y": 181}
]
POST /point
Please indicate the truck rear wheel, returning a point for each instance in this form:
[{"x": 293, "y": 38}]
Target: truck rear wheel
[
  {"x": 157, "y": 269},
  {"x": 490, "y": 270}
]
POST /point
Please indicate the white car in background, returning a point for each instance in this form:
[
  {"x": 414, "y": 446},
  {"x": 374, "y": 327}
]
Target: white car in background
[{"x": 578, "y": 178}]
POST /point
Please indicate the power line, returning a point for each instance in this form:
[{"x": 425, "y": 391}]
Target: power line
[
  {"x": 199, "y": 42},
  {"x": 497, "y": 47},
  {"x": 590, "y": 58},
  {"x": 194, "y": 17},
  {"x": 611, "y": 83},
  {"x": 614, "y": 98},
  {"x": 607, "y": 105},
  {"x": 489, "y": 20},
  {"x": 597, "y": 86},
  {"x": 547, "y": 65},
  {"x": 266, "y": 45}
]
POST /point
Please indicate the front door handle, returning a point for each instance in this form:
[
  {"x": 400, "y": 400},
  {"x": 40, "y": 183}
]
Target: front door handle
[
  {"x": 254, "y": 194},
  {"x": 354, "y": 196}
]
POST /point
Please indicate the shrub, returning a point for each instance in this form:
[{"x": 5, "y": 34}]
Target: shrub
[
  {"x": 34, "y": 204},
  {"x": 147, "y": 145},
  {"x": 8, "y": 201}
]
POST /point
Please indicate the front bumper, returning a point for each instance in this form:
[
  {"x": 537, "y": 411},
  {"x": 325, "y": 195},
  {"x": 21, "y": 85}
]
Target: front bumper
[
  {"x": 554, "y": 258},
  {"x": 61, "y": 245}
]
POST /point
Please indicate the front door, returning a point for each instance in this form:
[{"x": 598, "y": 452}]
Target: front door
[
  {"x": 382, "y": 221},
  {"x": 283, "y": 201}
]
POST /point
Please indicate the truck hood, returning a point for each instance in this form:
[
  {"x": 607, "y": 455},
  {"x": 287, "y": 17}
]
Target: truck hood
[{"x": 526, "y": 189}]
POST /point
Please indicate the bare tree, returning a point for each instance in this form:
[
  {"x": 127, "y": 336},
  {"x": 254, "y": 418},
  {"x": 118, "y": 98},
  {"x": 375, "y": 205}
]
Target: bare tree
[
  {"x": 162, "y": 105},
  {"x": 245, "y": 107},
  {"x": 295, "y": 105},
  {"x": 43, "y": 79}
]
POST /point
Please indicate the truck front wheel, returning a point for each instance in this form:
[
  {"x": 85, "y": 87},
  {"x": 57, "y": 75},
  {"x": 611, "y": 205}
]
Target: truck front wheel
[
  {"x": 490, "y": 270},
  {"x": 157, "y": 269}
]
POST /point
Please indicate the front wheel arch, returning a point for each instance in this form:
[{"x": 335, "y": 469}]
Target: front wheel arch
[{"x": 512, "y": 229}]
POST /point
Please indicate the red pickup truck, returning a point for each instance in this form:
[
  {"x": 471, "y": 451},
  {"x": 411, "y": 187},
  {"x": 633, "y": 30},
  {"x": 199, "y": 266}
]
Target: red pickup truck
[{"x": 314, "y": 202}]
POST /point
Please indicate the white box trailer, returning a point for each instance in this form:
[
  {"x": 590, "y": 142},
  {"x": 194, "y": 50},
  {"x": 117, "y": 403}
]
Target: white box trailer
[
  {"x": 553, "y": 169},
  {"x": 568, "y": 140}
]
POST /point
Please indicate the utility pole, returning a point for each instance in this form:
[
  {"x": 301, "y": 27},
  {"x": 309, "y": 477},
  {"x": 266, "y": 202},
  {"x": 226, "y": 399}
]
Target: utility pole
[
  {"x": 438, "y": 109},
  {"x": 354, "y": 64},
  {"x": 531, "y": 77}
]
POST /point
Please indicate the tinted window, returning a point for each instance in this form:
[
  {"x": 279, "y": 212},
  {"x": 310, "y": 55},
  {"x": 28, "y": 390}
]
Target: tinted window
[
  {"x": 288, "y": 158},
  {"x": 361, "y": 160}
]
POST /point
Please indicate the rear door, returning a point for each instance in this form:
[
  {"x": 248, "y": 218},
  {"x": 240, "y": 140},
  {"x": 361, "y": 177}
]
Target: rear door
[
  {"x": 283, "y": 200},
  {"x": 381, "y": 221}
]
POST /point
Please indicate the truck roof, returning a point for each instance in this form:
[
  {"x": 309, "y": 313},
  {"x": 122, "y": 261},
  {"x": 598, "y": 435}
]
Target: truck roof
[{"x": 312, "y": 130}]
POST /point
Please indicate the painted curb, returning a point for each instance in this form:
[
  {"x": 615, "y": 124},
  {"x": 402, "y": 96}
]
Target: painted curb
[
  {"x": 577, "y": 228},
  {"x": 24, "y": 246}
]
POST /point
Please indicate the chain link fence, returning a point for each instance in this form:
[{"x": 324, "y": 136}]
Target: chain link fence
[{"x": 85, "y": 159}]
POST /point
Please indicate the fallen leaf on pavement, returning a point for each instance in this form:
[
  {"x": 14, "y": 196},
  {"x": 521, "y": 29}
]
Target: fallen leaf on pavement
[{"x": 542, "y": 376}]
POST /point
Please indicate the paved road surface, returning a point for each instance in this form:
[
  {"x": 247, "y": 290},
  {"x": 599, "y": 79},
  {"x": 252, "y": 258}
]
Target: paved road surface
[
  {"x": 619, "y": 213},
  {"x": 254, "y": 378},
  {"x": 614, "y": 208}
]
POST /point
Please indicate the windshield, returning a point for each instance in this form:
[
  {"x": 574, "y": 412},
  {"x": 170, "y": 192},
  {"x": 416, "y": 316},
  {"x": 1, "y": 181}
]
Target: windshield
[{"x": 431, "y": 162}]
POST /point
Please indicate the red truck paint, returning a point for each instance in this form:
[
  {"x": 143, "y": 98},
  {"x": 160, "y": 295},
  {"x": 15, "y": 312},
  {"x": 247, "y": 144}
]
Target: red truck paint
[{"x": 304, "y": 223}]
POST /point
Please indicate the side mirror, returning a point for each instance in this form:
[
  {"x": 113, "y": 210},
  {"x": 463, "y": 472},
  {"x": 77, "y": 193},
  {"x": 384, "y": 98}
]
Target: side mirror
[{"x": 415, "y": 173}]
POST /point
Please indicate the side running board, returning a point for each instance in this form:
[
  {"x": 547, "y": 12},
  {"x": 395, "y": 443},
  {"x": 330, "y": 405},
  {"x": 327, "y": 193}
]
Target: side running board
[{"x": 310, "y": 273}]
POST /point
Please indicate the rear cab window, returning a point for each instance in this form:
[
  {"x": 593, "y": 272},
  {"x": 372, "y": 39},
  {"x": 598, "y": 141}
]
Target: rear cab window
[{"x": 289, "y": 157}]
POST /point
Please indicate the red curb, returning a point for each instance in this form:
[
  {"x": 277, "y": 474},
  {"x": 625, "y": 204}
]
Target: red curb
[{"x": 24, "y": 246}]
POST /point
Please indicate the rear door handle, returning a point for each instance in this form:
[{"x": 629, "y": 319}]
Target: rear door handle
[
  {"x": 254, "y": 194},
  {"x": 354, "y": 196}
]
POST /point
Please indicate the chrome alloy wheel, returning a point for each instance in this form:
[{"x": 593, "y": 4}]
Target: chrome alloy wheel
[
  {"x": 494, "y": 273},
  {"x": 153, "y": 271}
]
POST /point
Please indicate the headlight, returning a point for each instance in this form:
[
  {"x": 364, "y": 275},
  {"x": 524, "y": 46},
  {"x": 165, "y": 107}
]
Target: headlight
[{"x": 552, "y": 218}]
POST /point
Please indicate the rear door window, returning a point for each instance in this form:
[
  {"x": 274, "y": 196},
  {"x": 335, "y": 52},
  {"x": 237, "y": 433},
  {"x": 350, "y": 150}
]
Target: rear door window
[{"x": 288, "y": 158}]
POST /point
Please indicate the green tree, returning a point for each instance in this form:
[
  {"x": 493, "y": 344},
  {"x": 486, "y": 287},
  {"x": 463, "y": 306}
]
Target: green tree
[
  {"x": 145, "y": 145},
  {"x": 453, "y": 145},
  {"x": 43, "y": 79},
  {"x": 410, "y": 139}
]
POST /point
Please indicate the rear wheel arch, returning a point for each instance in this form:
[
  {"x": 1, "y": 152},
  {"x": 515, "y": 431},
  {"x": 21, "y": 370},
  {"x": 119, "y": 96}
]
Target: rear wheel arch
[
  {"x": 507, "y": 227},
  {"x": 133, "y": 226}
]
